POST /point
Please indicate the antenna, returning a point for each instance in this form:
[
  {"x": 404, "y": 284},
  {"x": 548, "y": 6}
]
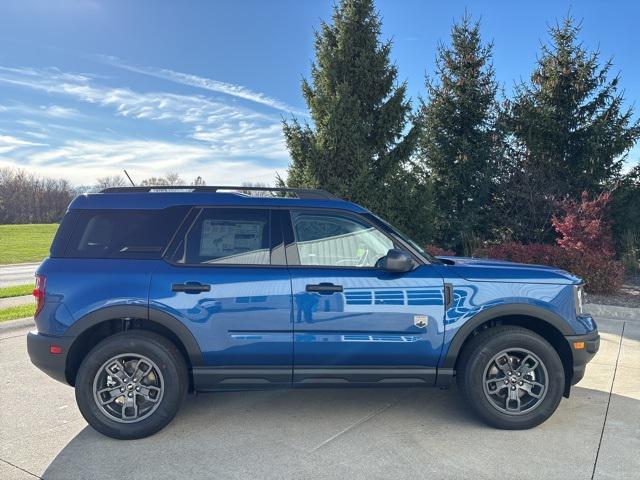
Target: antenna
[{"x": 132, "y": 184}]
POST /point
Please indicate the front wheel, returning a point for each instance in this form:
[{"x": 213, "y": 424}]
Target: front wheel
[
  {"x": 511, "y": 377},
  {"x": 131, "y": 384}
]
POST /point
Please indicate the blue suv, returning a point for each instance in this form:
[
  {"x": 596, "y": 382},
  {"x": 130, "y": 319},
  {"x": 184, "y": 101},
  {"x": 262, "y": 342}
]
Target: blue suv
[{"x": 149, "y": 294}]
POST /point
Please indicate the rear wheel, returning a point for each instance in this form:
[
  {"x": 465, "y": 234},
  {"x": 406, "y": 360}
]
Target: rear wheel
[
  {"x": 131, "y": 384},
  {"x": 511, "y": 377}
]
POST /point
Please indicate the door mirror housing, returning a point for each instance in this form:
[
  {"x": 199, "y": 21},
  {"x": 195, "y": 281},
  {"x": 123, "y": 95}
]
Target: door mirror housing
[{"x": 397, "y": 261}]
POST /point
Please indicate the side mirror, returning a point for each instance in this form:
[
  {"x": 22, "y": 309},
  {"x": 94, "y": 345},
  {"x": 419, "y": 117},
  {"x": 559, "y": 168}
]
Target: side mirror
[{"x": 397, "y": 261}]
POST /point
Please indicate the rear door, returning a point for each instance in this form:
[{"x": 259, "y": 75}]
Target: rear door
[
  {"x": 354, "y": 322},
  {"x": 225, "y": 278}
]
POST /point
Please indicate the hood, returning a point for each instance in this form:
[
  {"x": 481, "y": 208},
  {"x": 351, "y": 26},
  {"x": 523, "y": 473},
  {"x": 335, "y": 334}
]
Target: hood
[{"x": 488, "y": 270}]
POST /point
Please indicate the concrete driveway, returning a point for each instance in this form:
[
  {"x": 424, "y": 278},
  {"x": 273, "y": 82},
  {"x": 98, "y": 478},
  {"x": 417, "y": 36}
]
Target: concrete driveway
[{"x": 369, "y": 433}]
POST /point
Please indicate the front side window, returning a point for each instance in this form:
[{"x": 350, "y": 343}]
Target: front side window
[
  {"x": 338, "y": 240},
  {"x": 230, "y": 236}
]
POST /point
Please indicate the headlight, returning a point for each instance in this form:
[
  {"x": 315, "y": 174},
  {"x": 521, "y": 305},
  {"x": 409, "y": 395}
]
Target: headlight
[{"x": 577, "y": 297}]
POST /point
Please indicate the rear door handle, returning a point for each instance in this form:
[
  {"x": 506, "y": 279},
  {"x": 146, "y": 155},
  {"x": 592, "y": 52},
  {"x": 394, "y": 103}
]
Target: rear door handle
[
  {"x": 324, "y": 288},
  {"x": 190, "y": 287}
]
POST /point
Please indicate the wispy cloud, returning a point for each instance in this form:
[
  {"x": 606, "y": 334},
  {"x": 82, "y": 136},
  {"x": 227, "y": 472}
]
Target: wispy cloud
[
  {"x": 83, "y": 161},
  {"x": 51, "y": 111},
  {"x": 194, "y": 134},
  {"x": 229, "y": 129},
  {"x": 10, "y": 143},
  {"x": 217, "y": 86}
]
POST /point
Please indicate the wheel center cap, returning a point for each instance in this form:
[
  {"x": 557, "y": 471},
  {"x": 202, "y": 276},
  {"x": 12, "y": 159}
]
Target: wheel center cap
[{"x": 130, "y": 386}]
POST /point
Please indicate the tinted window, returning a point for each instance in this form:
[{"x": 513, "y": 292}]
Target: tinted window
[
  {"x": 230, "y": 236},
  {"x": 338, "y": 241},
  {"x": 142, "y": 234}
]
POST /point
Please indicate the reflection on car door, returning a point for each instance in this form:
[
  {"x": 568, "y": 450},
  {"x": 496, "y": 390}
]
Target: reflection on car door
[
  {"x": 225, "y": 280},
  {"x": 354, "y": 322}
]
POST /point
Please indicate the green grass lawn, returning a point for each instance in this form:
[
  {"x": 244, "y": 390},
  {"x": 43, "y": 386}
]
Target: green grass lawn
[
  {"x": 16, "y": 290},
  {"x": 25, "y": 243},
  {"x": 21, "y": 311}
]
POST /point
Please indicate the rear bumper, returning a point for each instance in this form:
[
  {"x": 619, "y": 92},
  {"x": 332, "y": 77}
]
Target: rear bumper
[
  {"x": 53, "y": 364},
  {"x": 583, "y": 349}
]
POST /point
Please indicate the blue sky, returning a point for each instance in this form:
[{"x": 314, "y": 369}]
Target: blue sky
[{"x": 88, "y": 88}]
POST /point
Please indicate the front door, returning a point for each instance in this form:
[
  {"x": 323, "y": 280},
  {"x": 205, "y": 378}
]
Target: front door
[
  {"x": 226, "y": 282},
  {"x": 353, "y": 321}
]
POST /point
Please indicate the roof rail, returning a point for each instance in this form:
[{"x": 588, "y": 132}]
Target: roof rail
[{"x": 302, "y": 193}]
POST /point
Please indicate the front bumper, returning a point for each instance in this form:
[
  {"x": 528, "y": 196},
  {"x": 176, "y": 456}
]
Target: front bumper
[
  {"x": 583, "y": 349},
  {"x": 53, "y": 364}
]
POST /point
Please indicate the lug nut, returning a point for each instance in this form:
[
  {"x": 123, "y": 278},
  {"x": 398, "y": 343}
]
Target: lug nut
[
  {"x": 122, "y": 389},
  {"x": 131, "y": 394},
  {"x": 513, "y": 388},
  {"x": 506, "y": 381},
  {"x": 137, "y": 389},
  {"x": 520, "y": 383}
]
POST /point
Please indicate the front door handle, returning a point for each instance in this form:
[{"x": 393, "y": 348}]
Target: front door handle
[
  {"x": 190, "y": 287},
  {"x": 324, "y": 288}
]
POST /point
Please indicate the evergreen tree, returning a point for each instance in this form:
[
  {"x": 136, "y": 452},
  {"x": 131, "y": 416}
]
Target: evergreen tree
[
  {"x": 569, "y": 129},
  {"x": 459, "y": 140},
  {"x": 359, "y": 144}
]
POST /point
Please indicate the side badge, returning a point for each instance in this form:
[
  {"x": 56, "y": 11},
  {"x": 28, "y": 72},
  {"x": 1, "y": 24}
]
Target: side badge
[{"x": 420, "y": 321}]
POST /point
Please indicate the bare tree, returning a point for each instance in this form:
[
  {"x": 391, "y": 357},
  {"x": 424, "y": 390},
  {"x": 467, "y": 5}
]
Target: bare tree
[
  {"x": 169, "y": 179},
  {"x": 26, "y": 198},
  {"x": 110, "y": 181},
  {"x": 257, "y": 193}
]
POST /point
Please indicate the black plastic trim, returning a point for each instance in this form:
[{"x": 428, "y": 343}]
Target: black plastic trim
[
  {"x": 539, "y": 313},
  {"x": 240, "y": 378},
  {"x": 145, "y": 313},
  {"x": 54, "y": 365},
  {"x": 366, "y": 376},
  {"x": 582, "y": 356}
]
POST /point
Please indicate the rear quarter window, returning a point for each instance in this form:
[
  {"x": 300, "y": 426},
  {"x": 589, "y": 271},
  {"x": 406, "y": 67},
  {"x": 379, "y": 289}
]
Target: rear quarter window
[{"x": 135, "y": 234}]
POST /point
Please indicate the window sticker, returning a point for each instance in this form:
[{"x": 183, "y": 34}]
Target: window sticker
[{"x": 221, "y": 238}]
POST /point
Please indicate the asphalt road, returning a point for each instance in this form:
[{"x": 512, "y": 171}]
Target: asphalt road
[
  {"x": 17, "y": 274},
  {"x": 368, "y": 433}
]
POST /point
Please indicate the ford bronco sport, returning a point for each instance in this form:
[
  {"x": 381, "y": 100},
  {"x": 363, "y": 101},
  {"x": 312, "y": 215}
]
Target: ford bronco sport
[{"x": 149, "y": 294}]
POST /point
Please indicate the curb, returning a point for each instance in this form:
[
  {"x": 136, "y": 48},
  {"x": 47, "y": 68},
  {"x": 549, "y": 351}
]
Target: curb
[
  {"x": 10, "y": 325},
  {"x": 611, "y": 311}
]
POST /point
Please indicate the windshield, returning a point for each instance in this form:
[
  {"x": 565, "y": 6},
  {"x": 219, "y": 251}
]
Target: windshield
[{"x": 394, "y": 231}]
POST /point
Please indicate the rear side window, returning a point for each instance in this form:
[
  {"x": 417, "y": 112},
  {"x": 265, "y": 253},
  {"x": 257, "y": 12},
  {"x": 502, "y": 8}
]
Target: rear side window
[
  {"x": 136, "y": 234},
  {"x": 232, "y": 236}
]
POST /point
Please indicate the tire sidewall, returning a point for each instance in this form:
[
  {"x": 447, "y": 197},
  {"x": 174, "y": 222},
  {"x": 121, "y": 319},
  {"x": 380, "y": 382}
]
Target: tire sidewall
[
  {"x": 157, "y": 351},
  {"x": 475, "y": 372}
]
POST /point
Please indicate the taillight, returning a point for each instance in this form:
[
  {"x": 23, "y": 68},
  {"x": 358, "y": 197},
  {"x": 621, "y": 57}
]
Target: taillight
[{"x": 38, "y": 293}]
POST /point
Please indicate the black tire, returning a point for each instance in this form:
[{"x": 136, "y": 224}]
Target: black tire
[
  {"x": 157, "y": 349},
  {"x": 476, "y": 360}
]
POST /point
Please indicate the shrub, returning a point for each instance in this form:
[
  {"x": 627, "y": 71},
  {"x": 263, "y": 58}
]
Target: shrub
[
  {"x": 584, "y": 226},
  {"x": 438, "y": 251},
  {"x": 601, "y": 274},
  {"x": 584, "y": 245},
  {"x": 537, "y": 253}
]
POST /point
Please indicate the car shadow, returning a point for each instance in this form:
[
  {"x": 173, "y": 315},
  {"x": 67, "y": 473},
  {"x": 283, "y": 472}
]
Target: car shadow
[{"x": 328, "y": 433}]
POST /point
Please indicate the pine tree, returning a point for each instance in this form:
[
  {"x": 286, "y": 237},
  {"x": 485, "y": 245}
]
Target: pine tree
[
  {"x": 459, "y": 140},
  {"x": 570, "y": 132},
  {"x": 359, "y": 144}
]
